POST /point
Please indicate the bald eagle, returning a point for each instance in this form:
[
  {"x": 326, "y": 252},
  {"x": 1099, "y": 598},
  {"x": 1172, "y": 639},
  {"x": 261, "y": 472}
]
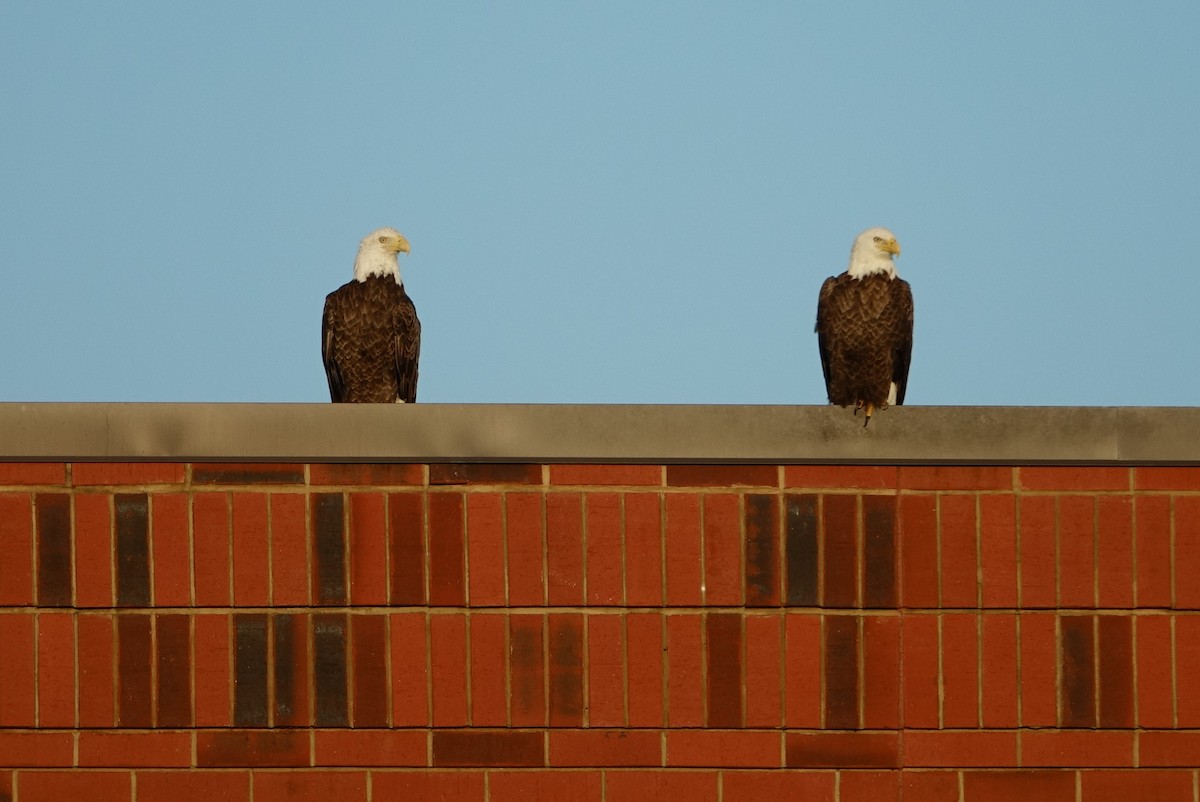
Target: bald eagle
[
  {"x": 865, "y": 326},
  {"x": 370, "y": 335}
]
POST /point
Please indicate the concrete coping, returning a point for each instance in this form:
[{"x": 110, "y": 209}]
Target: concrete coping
[{"x": 597, "y": 433}]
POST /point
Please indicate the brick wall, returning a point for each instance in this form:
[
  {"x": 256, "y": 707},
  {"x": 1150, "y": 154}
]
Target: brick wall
[{"x": 589, "y": 632}]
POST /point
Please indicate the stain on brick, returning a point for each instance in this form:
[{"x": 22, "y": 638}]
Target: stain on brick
[
  {"x": 370, "y": 671},
  {"x": 724, "y": 654},
  {"x": 406, "y": 524},
  {"x": 1078, "y": 683},
  {"x": 841, "y": 672},
  {"x": 374, "y": 474},
  {"x": 133, "y": 550},
  {"x": 329, "y": 645},
  {"x": 250, "y": 670},
  {"x": 879, "y": 551},
  {"x": 762, "y": 549},
  {"x": 566, "y": 669},
  {"x": 840, "y": 550},
  {"x": 54, "y": 549},
  {"x": 133, "y": 671},
  {"x": 801, "y": 546},
  {"x": 251, "y": 748},
  {"x": 329, "y": 548},
  {"x": 527, "y": 679},
  {"x": 482, "y": 473},
  {"x": 487, "y": 748},
  {"x": 174, "y": 670},
  {"x": 447, "y": 585},
  {"x": 248, "y": 473}
]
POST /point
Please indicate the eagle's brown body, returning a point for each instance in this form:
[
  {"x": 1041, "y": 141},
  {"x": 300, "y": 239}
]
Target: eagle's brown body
[
  {"x": 370, "y": 342},
  {"x": 864, "y": 328}
]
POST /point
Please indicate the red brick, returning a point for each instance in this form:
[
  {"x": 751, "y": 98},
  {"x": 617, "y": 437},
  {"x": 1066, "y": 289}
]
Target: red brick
[
  {"x": 764, "y": 670},
  {"x": 566, "y": 669},
  {"x": 56, "y": 669},
  {"x": 1114, "y": 532},
  {"x": 251, "y": 575},
  {"x": 605, "y": 748},
  {"x": 1137, "y": 786},
  {"x": 310, "y": 786},
  {"x": 527, "y": 681},
  {"x": 289, "y": 550},
  {"x": 444, "y": 786},
  {"x": 97, "y": 682},
  {"x": 212, "y": 669},
  {"x": 171, "y": 547},
  {"x": 1037, "y": 539},
  {"x": 920, "y": 671},
  {"x": 999, "y": 663},
  {"x": 1039, "y": 670},
  {"x": 485, "y": 549},
  {"x": 1116, "y": 671},
  {"x": 488, "y": 670},
  {"x": 946, "y": 748},
  {"x": 722, "y": 476},
  {"x": 448, "y": 663},
  {"x": 1155, "y": 682},
  {"x": 193, "y": 786},
  {"x": 643, "y": 549},
  {"x": 544, "y": 786},
  {"x": 126, "y": 473},
  {"x": 1164, "y": 478},
  {"x": 410, "y": 696},
  {"x": 246, "y": 473},
  {"x": 998, "y": 549},
  {"x": 644, "y": 652},
  {"x": 919, "y": 551},
  {"x": 16, "y": 539},
  {"x": 36, "y": 749},
  {"x": 843, "y": 750},
  {"x": 638, "y": 786},
  {"x": 1075, "y": 477},
  {"x": 1006, "y": 786},
  {"x": 523, "y": 518},
  {"x": 1076, "y": 550},
  {"x": 958, "y": 541},
  {"x": 134, "y": 666},
  {"x": 606, "y": 475},
  {"x": 840, "y": 551},
  {"x": 684, "y": 582},
  {"x": 1152, "y": 545},
  {"x": 948, "y": 477},
  {"x": 685, "y": 688},
  {"x": 369, "y": 474},
  {"x": 369, "y": 643},
  {"x": 564, "y": 548},
  {"x": 6, "y": 786},
  {"x": 383, "y": 748},
  {"x": 723, "y": 550},
  {"x": 723, "y": 748},
  {"x": 447, "y": 585},
  {"x": 93, "y": 550},
  {"x": 55, "y": 786},
  {"x": 406, "y": 522},
  {"x": 929, "y": 786},
  {"x": 474, "y": 747},
  {"x": 211, "y": 558},
  {"x": 605, "y": 583},
  {"x": 480, "y": 473},
  {"x": 1187, "y": 671},
  {"x": 841, "y": 653},
  {"x": 1077, "y": 690},
  {"x": 33, "y": 473},
  {"x": 130, "y": 749},
  {"x": 1169, "y": 748},
  {"x": 872, "y": 786},
  {"x": 1187, "y": 552},
  {"x": 881, "y": 664},
  {"x": 1058, "y": 748},
  {"x": 174, "y": 670},
  {"x": 368, "y": 549},
  {"x": 837, "y": 477},
  {"x": 251, "y": 748},
  {"x": 802, "y": 670},
  {"x": 754, "y": 786},
  {"x": 606, "y": 670},
  {"x": 723, "y": 664},
  {"x": 960, "y": 670}
]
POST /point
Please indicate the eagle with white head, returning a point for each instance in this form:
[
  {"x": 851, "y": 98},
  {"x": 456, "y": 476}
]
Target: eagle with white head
[{"x": 865, "y": 327}]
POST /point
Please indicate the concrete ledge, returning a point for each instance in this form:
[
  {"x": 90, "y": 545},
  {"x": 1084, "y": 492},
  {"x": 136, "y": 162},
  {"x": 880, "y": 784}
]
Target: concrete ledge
[{"x": 598, "y": 433}]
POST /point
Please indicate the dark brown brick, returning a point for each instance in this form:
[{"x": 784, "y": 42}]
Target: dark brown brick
[
  {"x": 290, "y": 633},
  {"x": 447, "y": 586},
  {"x": 329, "y": 646},
  {"x": 1078, "y": 678},
  {"x": 879, "y": 551},
  {"x": 250, "y": 670},
  {"x": 802, "y": 555},
  {"x": 329, "y": 548},
  {"x": 174, "y": 670},
  {"x": 1116, "y": 671},
  {"x": 724, "y": 653},
  {"x": 840, "y": 547},
  {"x": 722, "y": 476},
  {"x": 526, "y": 664},
  {"x": 482, "y": 473},
  {"x": 762, "y": 549},
  {"x": 247, "y": 473},
  {"x": 566, "y": 669},
  {"x": 375, "y": 474},
  {"x": 370, "y": 671},
  {"x": 53, "y": 549},
  {"x": 841, "y": 672},
  {"x": 406, "y": 525},
  {"x": 133, "y": 671},
  {"x": 251, "y": 748},
  {"x": 133, "y": 550},
  {"x": 487, "y": 748}
]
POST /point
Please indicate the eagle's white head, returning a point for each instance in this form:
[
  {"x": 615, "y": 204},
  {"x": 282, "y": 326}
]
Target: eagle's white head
[
  {"x": 378, "y": 253},
  {"x": 873, "y": 252}
]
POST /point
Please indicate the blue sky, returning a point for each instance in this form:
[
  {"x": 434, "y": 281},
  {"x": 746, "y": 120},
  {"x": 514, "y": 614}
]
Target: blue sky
[{"x": 607, "y": 202}]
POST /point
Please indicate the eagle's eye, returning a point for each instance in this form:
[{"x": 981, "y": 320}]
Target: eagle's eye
[
  {"x": 384, "y": 239},
  {"x": 877, "y": 239}
]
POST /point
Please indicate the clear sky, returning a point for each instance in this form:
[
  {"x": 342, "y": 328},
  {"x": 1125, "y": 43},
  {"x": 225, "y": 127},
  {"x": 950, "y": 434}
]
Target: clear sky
[{"x": 616, "y": 202}]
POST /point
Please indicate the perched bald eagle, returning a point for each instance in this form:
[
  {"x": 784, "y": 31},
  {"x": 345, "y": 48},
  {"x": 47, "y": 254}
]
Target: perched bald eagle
[
  {"x": 865, "y": 327},
  {"x": 370, "y": 335}
]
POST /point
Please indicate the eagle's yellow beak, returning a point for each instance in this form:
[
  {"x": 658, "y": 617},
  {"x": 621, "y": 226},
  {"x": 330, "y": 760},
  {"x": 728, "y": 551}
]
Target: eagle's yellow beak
[
  {"x": 890, "y": 246},
  {"x": 401, "y": 245}
]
